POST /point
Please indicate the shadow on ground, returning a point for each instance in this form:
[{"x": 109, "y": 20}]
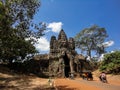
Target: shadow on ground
[{"x": 65, "y": 88}]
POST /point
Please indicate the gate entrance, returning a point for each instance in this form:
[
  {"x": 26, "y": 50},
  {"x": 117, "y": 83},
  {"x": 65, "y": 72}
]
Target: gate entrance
[{"x": 67, "y": 65}]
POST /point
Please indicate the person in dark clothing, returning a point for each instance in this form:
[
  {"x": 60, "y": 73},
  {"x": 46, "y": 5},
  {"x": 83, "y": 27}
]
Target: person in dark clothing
[{"x": 90, "y": 76}]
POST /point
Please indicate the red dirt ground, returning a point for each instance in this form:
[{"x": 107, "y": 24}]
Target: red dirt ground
[
  {"x": 79, "y": 84},
  {"x": 15, "y": 82}
]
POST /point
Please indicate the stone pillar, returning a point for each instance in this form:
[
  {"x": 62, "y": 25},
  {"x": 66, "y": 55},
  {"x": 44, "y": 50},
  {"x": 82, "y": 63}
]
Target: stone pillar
[
  {"x": 61, "y": 67},
  {"x": 71, "y": 66},
  {"x": 71, "y": 63}
]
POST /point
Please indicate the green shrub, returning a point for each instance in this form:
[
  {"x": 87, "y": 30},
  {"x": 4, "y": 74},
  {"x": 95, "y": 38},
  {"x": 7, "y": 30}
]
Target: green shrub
[{"x": 111, "y": 63}]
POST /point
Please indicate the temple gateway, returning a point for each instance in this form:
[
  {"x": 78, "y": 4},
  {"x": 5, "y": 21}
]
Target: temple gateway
[{"x": 62, "y": 59}]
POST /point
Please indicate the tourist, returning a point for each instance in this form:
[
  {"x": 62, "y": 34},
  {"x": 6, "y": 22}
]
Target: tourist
[
  {"x": 90, "y": 76},
  {"x": 103, "y": 77}
]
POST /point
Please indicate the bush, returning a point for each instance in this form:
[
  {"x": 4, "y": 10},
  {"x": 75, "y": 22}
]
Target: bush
[{"x": 111, "y": 63}]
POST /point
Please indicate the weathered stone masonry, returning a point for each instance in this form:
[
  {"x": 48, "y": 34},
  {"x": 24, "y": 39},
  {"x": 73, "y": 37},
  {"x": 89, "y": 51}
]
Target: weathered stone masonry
[{"x": 63, "y": 59}]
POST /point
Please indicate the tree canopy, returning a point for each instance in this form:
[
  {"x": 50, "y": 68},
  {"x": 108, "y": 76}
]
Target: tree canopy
[
  {"x": 90, "y": 39},
  {"x": 111, "y": 62},
  {"x": 16, "y": 26}
]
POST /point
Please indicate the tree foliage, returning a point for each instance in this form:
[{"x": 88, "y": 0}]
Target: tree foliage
[
  {"x": 111, "y": 63},
  {"x": 16, "y": 26},
  {"x": 89, "y": 39}
]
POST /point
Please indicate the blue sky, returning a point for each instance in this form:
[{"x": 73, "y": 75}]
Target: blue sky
[{"x": 75, "y": 15}]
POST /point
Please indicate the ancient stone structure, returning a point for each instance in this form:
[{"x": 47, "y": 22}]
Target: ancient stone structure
[
  {"x": 63, "y": 50},
  {"x": 63, "y": 59}
]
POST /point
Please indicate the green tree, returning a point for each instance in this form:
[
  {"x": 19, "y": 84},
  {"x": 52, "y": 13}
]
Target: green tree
[
  {"x": 111, "y": 62},
  {"x": 90, "y": 39},
  {"x": 16, "y": 26}
]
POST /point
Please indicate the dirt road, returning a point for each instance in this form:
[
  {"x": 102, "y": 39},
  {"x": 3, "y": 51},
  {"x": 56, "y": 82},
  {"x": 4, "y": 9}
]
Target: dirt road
[
  {"x": 79, "y": 84},
  {"x": 17, "y": 82}
]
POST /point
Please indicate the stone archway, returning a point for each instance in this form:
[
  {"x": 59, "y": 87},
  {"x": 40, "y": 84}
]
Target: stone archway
[{"x": 66, "y": 65}]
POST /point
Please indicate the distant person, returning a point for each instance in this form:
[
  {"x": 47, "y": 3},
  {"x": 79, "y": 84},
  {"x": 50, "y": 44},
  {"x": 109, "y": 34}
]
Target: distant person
[
  {"x": 90, "y": 76},
  {"x": 85, "y": 75},
  {"x": 51, "y": 82},
  {"x": 103, "y": 77},
  {"x": 71, "y": 75}
]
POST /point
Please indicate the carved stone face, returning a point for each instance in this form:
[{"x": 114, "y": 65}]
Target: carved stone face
[
  {"x": 64, "y": 44},
  {"x": 62, "y": 36}
]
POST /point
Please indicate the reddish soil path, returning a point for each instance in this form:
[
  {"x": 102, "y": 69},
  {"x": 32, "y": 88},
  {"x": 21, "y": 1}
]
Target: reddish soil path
[
  {"x": 17, "y": 82},
  {"x": 79, "y": 84},
  {"x": 65, "y": 84}
]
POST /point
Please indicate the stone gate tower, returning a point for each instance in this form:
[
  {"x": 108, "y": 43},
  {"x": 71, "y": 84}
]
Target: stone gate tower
[
  {"x": 62, "y": 59},
  {"x": 62, "y": 53}
]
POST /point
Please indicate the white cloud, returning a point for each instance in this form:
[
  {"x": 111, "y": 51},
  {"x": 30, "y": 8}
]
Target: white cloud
[
  {"x": 108, "y": 44},
  {"x": 55, "y": 26},
  {"x": 42, "y": 44}
]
